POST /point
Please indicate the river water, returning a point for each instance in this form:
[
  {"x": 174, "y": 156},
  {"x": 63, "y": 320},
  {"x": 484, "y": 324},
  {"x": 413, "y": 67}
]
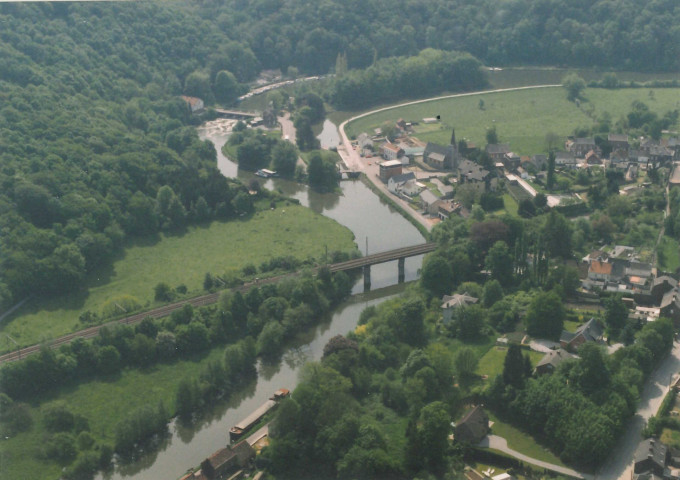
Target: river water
[{"x": 361, "y": 211}]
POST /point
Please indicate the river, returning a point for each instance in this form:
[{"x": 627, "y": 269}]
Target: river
[{"x": 368, "y": 217}]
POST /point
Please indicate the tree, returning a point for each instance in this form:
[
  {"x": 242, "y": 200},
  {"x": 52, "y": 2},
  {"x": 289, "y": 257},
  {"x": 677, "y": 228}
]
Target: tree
[
  {"x": 591, "y": 373},
  {"x": 491, "y": 136},
  {"x": 226, "y": 87},
  {"x": 321, "y": 172},
  {"x": 616, "y": 314},
  {"x": 284, "y": 158},
  {"x": 574, "y": 86},
  {"x": 433, "y": 434},
  {"x": 526, "y": 208},
  {"x": 493, "y": 292},
  {"x": 514, "y": 371},
  {"x": 163, "y": 292},
  {"x": 557, "y": 232},
  {"x": 499, "y": 262},
  {"x": 550, "y": 176},
  {"x": 436, "y": 275},
  {"x": 545, "y": 316},
  {"x": 465, "y": 362}
]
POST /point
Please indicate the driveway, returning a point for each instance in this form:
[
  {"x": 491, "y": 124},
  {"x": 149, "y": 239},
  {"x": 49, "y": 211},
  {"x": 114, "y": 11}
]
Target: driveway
[{"x": 499, "y": 443}]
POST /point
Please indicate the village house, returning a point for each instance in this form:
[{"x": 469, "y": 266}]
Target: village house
[
  {"x": 511, "y": 161},
  {"x": 453, "y": 302},
  {"x": 223, "y": 461},
  {"x": 651, "y": 456},
  {"x": 474, "y": 174},
  {"x": 195, "y": 104},
  {"x": 591, "y": 331},
  {"x": 618, "y": 142},
  {"x": 390, "y": 151},
  {"x": 661, "y": 286},
  {"x": 389, "y": 169},
  {"x": 446, "y": 208},
  {"x": 565, "y": 159},
  {"x": 405, "y": 183},
  {"x": 670, "y": 306},
  {"x": 551, "y": 360},
  {"x": 580, "y": 146},
  {"x": 428, "y": 201},
  {"x": 497, "y": 151},
  {"x": 473, "y": 427},
  {"x": 592, "y": 158}
]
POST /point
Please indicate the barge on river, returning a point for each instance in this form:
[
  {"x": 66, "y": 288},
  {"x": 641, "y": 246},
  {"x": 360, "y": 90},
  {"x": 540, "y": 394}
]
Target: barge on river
[
  {"x": 244, "y": 425},
  {"x": 266, "y": 173}
]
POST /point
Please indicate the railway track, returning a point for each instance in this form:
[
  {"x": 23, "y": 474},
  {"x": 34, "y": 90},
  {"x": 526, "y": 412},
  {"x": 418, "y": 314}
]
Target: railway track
[{"x": 211, "y": 298}]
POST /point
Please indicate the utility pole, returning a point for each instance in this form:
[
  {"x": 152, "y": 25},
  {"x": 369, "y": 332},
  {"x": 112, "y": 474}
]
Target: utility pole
[
  {"x": 367, "y": 246},
  {"x": 17, "y": 345}
]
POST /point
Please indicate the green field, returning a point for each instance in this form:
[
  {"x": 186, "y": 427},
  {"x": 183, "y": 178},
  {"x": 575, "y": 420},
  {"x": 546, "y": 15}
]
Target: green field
[
  {"x": 103, "y": 405},
  {"x": 183, "y": 259},
  {"x": 522, "y": 118}
]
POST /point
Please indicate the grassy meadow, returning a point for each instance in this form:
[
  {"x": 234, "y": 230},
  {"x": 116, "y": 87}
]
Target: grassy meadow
[
  {"x": 219, "y": 248},
  {"x": 101, "y": 402},
  {"x": 522, "y": 118}
]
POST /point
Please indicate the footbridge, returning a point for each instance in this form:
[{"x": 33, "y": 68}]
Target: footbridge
[
  {"x": 399, "y": 254},
  {"x": 235, "y": 114}
]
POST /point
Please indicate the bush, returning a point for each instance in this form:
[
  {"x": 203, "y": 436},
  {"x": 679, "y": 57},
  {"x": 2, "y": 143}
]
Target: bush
[{"x": 57, "y": 418}]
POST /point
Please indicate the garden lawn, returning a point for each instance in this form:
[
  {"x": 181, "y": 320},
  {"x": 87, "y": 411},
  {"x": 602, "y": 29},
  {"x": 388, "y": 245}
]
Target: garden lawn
[
  {"x": 522, "y": 442},
  {"x": 219, "y": 248},
  {"x": 102, "y": 403},
  {"x": 491, "y": 364},
  {"x": 510, "y": 205},
  {"x": 668, "y": 254}
]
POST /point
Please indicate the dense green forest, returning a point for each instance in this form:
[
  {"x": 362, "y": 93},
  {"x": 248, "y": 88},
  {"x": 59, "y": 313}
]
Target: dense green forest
[{"x": 95, "y": 143}]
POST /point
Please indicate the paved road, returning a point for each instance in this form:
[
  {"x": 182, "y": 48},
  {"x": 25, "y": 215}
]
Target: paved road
[
  {"x": 369, "y": 165},
  {"x": 620, "y": 462},
  {"x": 499, "y": 443},
  {"x": 288, "y": 132}
]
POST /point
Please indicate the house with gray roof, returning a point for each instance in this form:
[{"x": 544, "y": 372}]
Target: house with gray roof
[
  {"x": 473, "y": 427},
  {"x": 428, "y": 201},
  {"x": 618, "y": 141},
  {"x": 651, "y": 456},
  {"x": 591, "y": 331},
  {"x": 396, "y": 182},
  {"x": 565, "y": 159},
  {"x": 661, "y": 286},
  {"x": 453, "y": 302},
  {"x": 551, "y": 360},
  {"x": 497, "y": 151},
  {"x": 670, "y": 306},
  {"x": 580, "y": 146}
]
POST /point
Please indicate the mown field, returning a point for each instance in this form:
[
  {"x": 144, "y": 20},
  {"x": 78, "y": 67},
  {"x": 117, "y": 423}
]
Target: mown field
[
  {"x": 219, "y": 248},
  {"x": 522, "y": 118}
]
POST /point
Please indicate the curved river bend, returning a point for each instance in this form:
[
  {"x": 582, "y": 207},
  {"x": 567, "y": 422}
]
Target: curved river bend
[{"x": 359, "y": 209}]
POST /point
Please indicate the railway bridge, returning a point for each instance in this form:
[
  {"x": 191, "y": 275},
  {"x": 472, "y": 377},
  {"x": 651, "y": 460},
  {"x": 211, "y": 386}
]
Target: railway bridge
[{"x": 399, "y": 254}]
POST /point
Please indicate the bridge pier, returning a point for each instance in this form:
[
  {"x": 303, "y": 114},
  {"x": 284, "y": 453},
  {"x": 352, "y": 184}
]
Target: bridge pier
[
  {"x": 367, "y": 278},
  {"x": 402, "y": 276}
]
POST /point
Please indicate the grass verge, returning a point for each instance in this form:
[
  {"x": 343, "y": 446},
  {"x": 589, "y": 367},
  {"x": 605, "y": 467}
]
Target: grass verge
[
  {"x": 522, "y": 442},
  {"x": 668, "y": 254}
]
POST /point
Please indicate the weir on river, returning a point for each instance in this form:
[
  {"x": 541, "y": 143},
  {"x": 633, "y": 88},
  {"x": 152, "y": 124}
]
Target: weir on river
[{"x": 371, "y": 221}]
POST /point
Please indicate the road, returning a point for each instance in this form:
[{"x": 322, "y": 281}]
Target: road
[
  {"x": 369, "y": 165},
  {"x": 288, "y": 133},
  {"x": 620, "y": 462},
  {"x": 499, "y": 443}
]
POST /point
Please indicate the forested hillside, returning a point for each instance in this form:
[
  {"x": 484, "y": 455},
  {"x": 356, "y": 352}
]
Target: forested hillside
[
  {"x": 95, "y": 143},
  {"x": 638, "y": 35}
]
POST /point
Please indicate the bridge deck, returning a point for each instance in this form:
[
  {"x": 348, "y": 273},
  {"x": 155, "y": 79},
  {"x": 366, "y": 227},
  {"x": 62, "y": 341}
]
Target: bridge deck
[{"x": 383, "y": 257}]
